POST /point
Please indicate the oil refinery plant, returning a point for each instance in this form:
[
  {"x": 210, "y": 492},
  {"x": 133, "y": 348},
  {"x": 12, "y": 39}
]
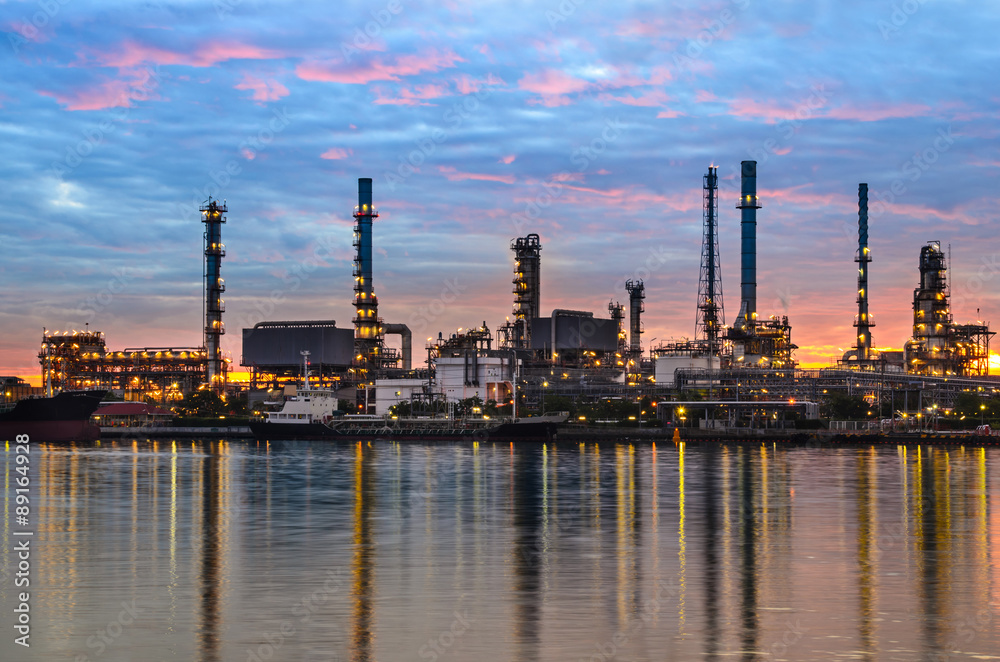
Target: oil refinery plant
[{"x": 571, "y": 353}]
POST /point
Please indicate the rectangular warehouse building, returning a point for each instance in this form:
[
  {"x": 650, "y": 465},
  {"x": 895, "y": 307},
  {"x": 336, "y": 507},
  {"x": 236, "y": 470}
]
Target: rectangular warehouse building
[
  {"x": 276, "y": 346},
  {"x": 569, "y": 330}
]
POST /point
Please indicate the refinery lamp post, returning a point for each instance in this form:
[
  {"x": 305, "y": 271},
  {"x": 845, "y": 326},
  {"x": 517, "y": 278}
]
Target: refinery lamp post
[{"x": 982, "y": 414}]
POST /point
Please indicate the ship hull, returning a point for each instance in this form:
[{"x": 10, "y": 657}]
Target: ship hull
[
  {"x": 65, "y": 417},
  {"x": 521, "y": 431}
]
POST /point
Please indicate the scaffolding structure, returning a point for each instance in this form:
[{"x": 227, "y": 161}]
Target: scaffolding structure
[
  {"x": 527, "y": 291},
  {"x": 711, "y": 316},
  {"x": 81, "y": 360},
  {"x": 939, "y": 346},
  {"x": 636, "y": 294},
  {"x": 478, "y": 340},
  {"x": 617, "y": 312}
]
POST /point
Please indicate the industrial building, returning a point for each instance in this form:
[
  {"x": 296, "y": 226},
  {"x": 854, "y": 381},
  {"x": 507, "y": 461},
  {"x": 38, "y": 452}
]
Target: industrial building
[
  {"x": 754, "y": 342},
  {"x": 751, "y": 342},
  {"x": 527, "y": 282},
  {"x": 273, "y": 351},
  {"x": 571, "y": 352},
  {"x": 342, "y": 358},
  {"x": 462, "y": 366},
  {"x": 573, "y": 334},
  {"x": 939, "y": 347},
  {"x": 81, "y": 359}
]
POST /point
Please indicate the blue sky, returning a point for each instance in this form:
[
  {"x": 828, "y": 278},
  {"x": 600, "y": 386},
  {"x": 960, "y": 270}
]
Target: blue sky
[{"x": 589, "y": 123}]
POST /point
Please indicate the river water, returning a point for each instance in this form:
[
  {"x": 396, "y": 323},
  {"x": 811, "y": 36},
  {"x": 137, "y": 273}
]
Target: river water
[{"x": 332, "y": 552}]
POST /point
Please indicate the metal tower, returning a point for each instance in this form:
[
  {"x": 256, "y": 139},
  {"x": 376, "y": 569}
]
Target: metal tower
[
  {"x": 863, "y": 323},
  {"x": 636, "y": 293},
  {"x": 633, "y": 364},
  {"x": 368, "y": 332},
  {"x": 215, "y": 250},
  {"x": 748, "y": 206},
  {"x": 617, "y": 312},
  {"x": 711, "y": 313},
  {"x": 527, "y": 287}
]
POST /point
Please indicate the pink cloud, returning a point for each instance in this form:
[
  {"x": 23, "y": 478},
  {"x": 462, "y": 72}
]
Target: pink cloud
[
  {"x": 469, "y": 85},
  {"x": 263, "y": 90},
  {"x": 668, "y": 114},
  {"x": 454, "y": 175},
  {"x": 878, "y": 111},
  {"x": 553, "y": 86},
  {"x": 411, "y": 97},
  {"x": 649, "y": 99},
  {"x": 798, "y": 195},
  {"x": 335, "y": 153},
  {"x": 508, "y": 159},
  {"x": 377, "y": 69},
  {"x": 25, "y": 31},
  {"x": 106, "y": 94},
  {"x": 767, "y": 110},
  {"x": 131, "y": 54},
  {"x": 704, "y": 96},
  {"x": 772, "y": 112}
]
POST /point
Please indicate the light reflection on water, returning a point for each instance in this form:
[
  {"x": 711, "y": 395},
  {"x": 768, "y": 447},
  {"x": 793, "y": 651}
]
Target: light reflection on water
[{"x": 295, "y": 551}]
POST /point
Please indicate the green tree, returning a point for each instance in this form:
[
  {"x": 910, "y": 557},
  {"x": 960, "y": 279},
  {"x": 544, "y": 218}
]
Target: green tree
[
  {"x": 841, "y": 406},
  {"x": 203, "y": 404},
  {"x": 967, "y": 404}
]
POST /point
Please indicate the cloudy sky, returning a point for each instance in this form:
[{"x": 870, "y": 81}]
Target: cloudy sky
[{"x": 588, "y": 123}]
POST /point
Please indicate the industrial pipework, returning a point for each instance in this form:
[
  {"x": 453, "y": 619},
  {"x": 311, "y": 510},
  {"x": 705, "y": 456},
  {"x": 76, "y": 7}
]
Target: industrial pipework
[
  {"x": 711, "y": 314},
  {"x": 215, "y": 250},
  {"x": 406, "y": 337},
  {"x": 527, "y": 287},
  {"x": 863, "y": 323},
  {"x": 368, "y": 333},
  {"x": 748, "y": 206}
]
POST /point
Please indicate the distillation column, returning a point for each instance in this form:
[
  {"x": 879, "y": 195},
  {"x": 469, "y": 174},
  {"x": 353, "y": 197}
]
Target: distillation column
[
  {"x": 617, "y": 312},
  {"x": 863, "y": 323},
  {"x": 367, "y": 329},
  {"x": 636, "y": 293},
  {"x": 711, "y": 315},
  {"x": 213, "y": 218},
  {"x": 527, "y": 287}
]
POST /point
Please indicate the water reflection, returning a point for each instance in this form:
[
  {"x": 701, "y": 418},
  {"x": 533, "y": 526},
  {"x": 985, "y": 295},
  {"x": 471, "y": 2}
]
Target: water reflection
[
  {"x": 210, "y": 574},
  {"x": 543, "y": 552},
  {"x": 363, "y": 573},
  {"x": 710, "y": 551},
  {"x": 528, "y": 552},
  {"x": 748, "y": 517},
  {"x": 867, "y": 522}
]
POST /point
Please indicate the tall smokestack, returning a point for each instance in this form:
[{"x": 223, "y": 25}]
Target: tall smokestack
[
  {"x": 863, "y": 322},
  {"x": 367, "y": 334},
  {"x": 748, "y": 205}
]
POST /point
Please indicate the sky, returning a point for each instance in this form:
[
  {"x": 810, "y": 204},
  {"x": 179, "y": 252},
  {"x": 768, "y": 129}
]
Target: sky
[{"x": 590, "y": 124}]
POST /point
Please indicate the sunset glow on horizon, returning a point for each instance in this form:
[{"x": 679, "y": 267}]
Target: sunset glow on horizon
[{"x": 590, "y": 125}]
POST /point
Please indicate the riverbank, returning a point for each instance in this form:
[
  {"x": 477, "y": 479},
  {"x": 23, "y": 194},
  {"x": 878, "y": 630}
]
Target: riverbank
[
  {"x": 159, "y": 432},
  {"x": 588, "y": 434}
]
